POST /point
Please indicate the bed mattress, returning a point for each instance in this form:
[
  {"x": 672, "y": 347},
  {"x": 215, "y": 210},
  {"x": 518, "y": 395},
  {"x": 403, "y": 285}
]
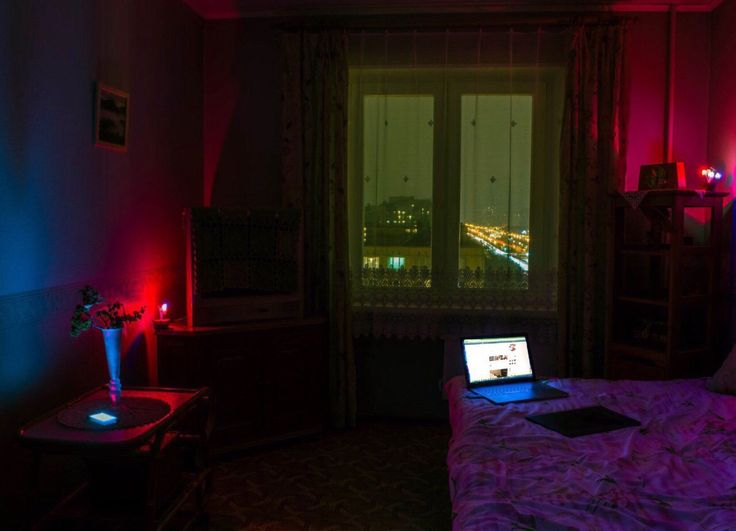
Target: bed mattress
[{"x": 675, "y": 471}]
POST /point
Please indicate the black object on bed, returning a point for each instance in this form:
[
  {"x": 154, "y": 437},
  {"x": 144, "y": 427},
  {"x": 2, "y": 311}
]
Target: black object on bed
[{"x": 583, "y": 421}]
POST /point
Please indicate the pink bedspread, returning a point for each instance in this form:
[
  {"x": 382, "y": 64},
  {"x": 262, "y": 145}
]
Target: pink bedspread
[{"x": 676, "y": 471}]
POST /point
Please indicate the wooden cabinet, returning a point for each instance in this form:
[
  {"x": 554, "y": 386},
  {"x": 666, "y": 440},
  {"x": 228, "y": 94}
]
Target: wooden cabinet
[
  {"x": 268, "y": 379},
  {"x": 664, "y": 289}
]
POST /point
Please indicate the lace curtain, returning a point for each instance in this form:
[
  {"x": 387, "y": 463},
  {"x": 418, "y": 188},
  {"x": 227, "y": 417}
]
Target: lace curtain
[{"x": 453, "y": 175}]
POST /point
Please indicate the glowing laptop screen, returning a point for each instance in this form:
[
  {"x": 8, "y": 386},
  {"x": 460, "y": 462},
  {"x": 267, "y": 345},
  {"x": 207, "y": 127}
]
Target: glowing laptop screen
[{"x": 496, "y": 359}]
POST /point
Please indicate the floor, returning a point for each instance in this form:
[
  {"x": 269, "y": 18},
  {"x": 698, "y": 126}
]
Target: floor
[{"x": 382, "y": 475}]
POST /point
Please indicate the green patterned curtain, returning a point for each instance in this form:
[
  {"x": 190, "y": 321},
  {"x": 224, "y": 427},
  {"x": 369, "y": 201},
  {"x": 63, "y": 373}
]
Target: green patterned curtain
[
  {"x": 592, "y": 165},
  {"x": 315, "y": 91}
]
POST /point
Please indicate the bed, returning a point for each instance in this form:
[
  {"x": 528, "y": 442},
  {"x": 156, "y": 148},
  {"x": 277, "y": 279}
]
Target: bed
[{"x": 676, "y": 471}]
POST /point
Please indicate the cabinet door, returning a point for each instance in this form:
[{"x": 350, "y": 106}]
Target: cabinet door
[
  {"x": 296, "y": 381},
  {"x": 267, "y": 382},
  {"x": 239, "y": 396},
  {"x": 181, "y": 363}
]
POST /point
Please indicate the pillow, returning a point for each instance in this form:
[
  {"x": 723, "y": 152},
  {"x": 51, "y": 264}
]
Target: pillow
[{"x": 724, "y": 380}]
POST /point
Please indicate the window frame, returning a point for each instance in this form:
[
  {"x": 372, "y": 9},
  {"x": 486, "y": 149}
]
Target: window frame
[{"x": 447, "y": 85}]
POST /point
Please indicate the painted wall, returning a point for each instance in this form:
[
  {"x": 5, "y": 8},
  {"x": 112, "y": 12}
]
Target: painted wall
[
  {"x": 647, "y": 100},
  {"x": 722, "y": 144},
  {"x": 72, "y": 213},
  {"x": 721, "y": 130},
  {"x": 242, "y": 119}
]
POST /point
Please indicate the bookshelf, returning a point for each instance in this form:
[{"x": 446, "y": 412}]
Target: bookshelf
[{"x": 665, "y": 262}]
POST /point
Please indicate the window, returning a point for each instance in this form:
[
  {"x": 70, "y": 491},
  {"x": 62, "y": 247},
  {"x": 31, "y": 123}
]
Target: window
[
  {"x": 397, "y": 171},
  {"x": 371, "y": 262},
  {"x": 453, "y": 175},
  {"x": 395, "y": 262},
  {"x": 495, "y": 173}
]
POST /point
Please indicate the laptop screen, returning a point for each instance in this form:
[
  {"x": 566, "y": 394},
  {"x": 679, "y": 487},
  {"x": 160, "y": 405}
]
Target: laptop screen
[{"x": 496, "y": 359}]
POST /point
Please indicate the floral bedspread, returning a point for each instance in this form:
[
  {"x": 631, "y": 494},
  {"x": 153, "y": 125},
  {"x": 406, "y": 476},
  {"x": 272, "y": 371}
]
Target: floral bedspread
[{"x": 675, "y": 471}]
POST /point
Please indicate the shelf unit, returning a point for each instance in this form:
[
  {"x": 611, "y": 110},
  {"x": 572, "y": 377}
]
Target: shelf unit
[{"x": 665, "y": 262}]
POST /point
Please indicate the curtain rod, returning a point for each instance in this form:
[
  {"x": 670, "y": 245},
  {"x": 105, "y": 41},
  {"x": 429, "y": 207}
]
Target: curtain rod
[
  {"x": 433, "y": 25},
  {"x": 454, "y": 31}
]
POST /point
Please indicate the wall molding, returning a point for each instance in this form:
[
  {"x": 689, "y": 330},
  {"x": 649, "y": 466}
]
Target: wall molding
[{"x": 18, "y": 309}]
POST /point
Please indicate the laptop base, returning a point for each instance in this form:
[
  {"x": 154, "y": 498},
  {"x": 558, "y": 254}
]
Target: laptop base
[{"x": 534, "y": 391}]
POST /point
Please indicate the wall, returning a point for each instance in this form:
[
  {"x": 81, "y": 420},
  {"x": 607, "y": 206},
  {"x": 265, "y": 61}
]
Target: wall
[
  {"x": 72, "y": 213},
  {"x": 242, "y": 119},
  {"x": 721, "y": 132},
  {"x": 722, "y": 141},
  {"x": 648, "y": 49}
]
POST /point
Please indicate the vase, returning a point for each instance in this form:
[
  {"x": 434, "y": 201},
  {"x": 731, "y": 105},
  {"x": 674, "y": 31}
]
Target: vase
[{"x": 113, "y": 345}]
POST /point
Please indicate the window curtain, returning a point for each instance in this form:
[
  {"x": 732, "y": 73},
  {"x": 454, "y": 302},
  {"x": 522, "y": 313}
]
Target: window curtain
[
  {"x": 315, "y": 91},
  {"x": 592, "y": 166}
]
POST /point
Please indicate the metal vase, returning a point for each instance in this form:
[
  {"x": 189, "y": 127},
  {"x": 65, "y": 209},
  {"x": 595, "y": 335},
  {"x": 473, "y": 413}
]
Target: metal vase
[{"x": 113, "y": 346}]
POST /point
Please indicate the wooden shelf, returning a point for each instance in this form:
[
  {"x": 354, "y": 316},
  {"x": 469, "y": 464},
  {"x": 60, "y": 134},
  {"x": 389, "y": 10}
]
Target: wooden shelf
[
  {"x": 665, "y": 250},
  {"x": 686, "y": 300},
  {"x": 696, "y": 250},
  {"x": 649, "y": 281},
  {"x": 641, "y": 353},
  {"x": 643, "y": 300}
]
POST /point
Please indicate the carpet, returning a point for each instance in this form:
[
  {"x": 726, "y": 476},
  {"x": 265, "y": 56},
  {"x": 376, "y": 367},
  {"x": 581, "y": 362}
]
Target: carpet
[{"x": 382, "y": 475}]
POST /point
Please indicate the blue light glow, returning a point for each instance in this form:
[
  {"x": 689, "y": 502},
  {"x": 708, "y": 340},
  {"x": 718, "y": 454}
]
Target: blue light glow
[{"x": 103, "y": 418}]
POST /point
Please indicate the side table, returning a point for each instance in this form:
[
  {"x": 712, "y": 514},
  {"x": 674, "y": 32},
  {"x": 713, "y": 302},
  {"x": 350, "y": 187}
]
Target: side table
[{"x": 139, "y": 477}]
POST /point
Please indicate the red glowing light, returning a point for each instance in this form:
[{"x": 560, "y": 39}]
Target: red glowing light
[{"x": 163, "y": 310}]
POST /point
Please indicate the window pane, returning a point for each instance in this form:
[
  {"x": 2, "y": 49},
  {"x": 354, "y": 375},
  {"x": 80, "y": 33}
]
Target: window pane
[
  {"x": 397, "y": 189},
  {"x": 495, "y": 175}
]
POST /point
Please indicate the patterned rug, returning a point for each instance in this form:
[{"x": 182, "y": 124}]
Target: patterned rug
[{"x": 382, "y": 475}]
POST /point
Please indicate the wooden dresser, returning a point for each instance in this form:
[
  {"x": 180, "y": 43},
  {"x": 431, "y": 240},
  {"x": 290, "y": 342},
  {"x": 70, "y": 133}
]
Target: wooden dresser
[{"x": 268, "y": 379}]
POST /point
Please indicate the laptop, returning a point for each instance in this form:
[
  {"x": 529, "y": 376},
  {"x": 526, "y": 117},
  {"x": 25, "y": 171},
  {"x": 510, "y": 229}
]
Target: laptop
[{"x": 501, "y": 370}]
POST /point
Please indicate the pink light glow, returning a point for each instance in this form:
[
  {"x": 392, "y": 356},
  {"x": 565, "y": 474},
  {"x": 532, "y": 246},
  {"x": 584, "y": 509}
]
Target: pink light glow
[{"x": 163, "y": 310}]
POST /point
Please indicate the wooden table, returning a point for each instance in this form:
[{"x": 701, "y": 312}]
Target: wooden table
[{"x": 167, "y": 455}]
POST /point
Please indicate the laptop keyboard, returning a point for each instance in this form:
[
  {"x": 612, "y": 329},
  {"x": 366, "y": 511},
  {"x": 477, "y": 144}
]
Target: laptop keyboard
[{"x": 509, "y": 388}]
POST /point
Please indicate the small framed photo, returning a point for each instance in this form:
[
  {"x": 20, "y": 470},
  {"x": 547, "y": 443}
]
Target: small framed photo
[
  {"x": 111, "y": 118},
  {"x": 666, "y": 176}
]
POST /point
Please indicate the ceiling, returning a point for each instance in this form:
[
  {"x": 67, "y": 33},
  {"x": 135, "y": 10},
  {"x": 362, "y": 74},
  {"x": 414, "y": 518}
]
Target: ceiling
[{"x": 220, "y": 9}]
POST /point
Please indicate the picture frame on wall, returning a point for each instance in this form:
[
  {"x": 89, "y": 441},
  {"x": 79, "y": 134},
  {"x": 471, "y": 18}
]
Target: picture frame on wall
[{"x": 111, "y": 118}]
